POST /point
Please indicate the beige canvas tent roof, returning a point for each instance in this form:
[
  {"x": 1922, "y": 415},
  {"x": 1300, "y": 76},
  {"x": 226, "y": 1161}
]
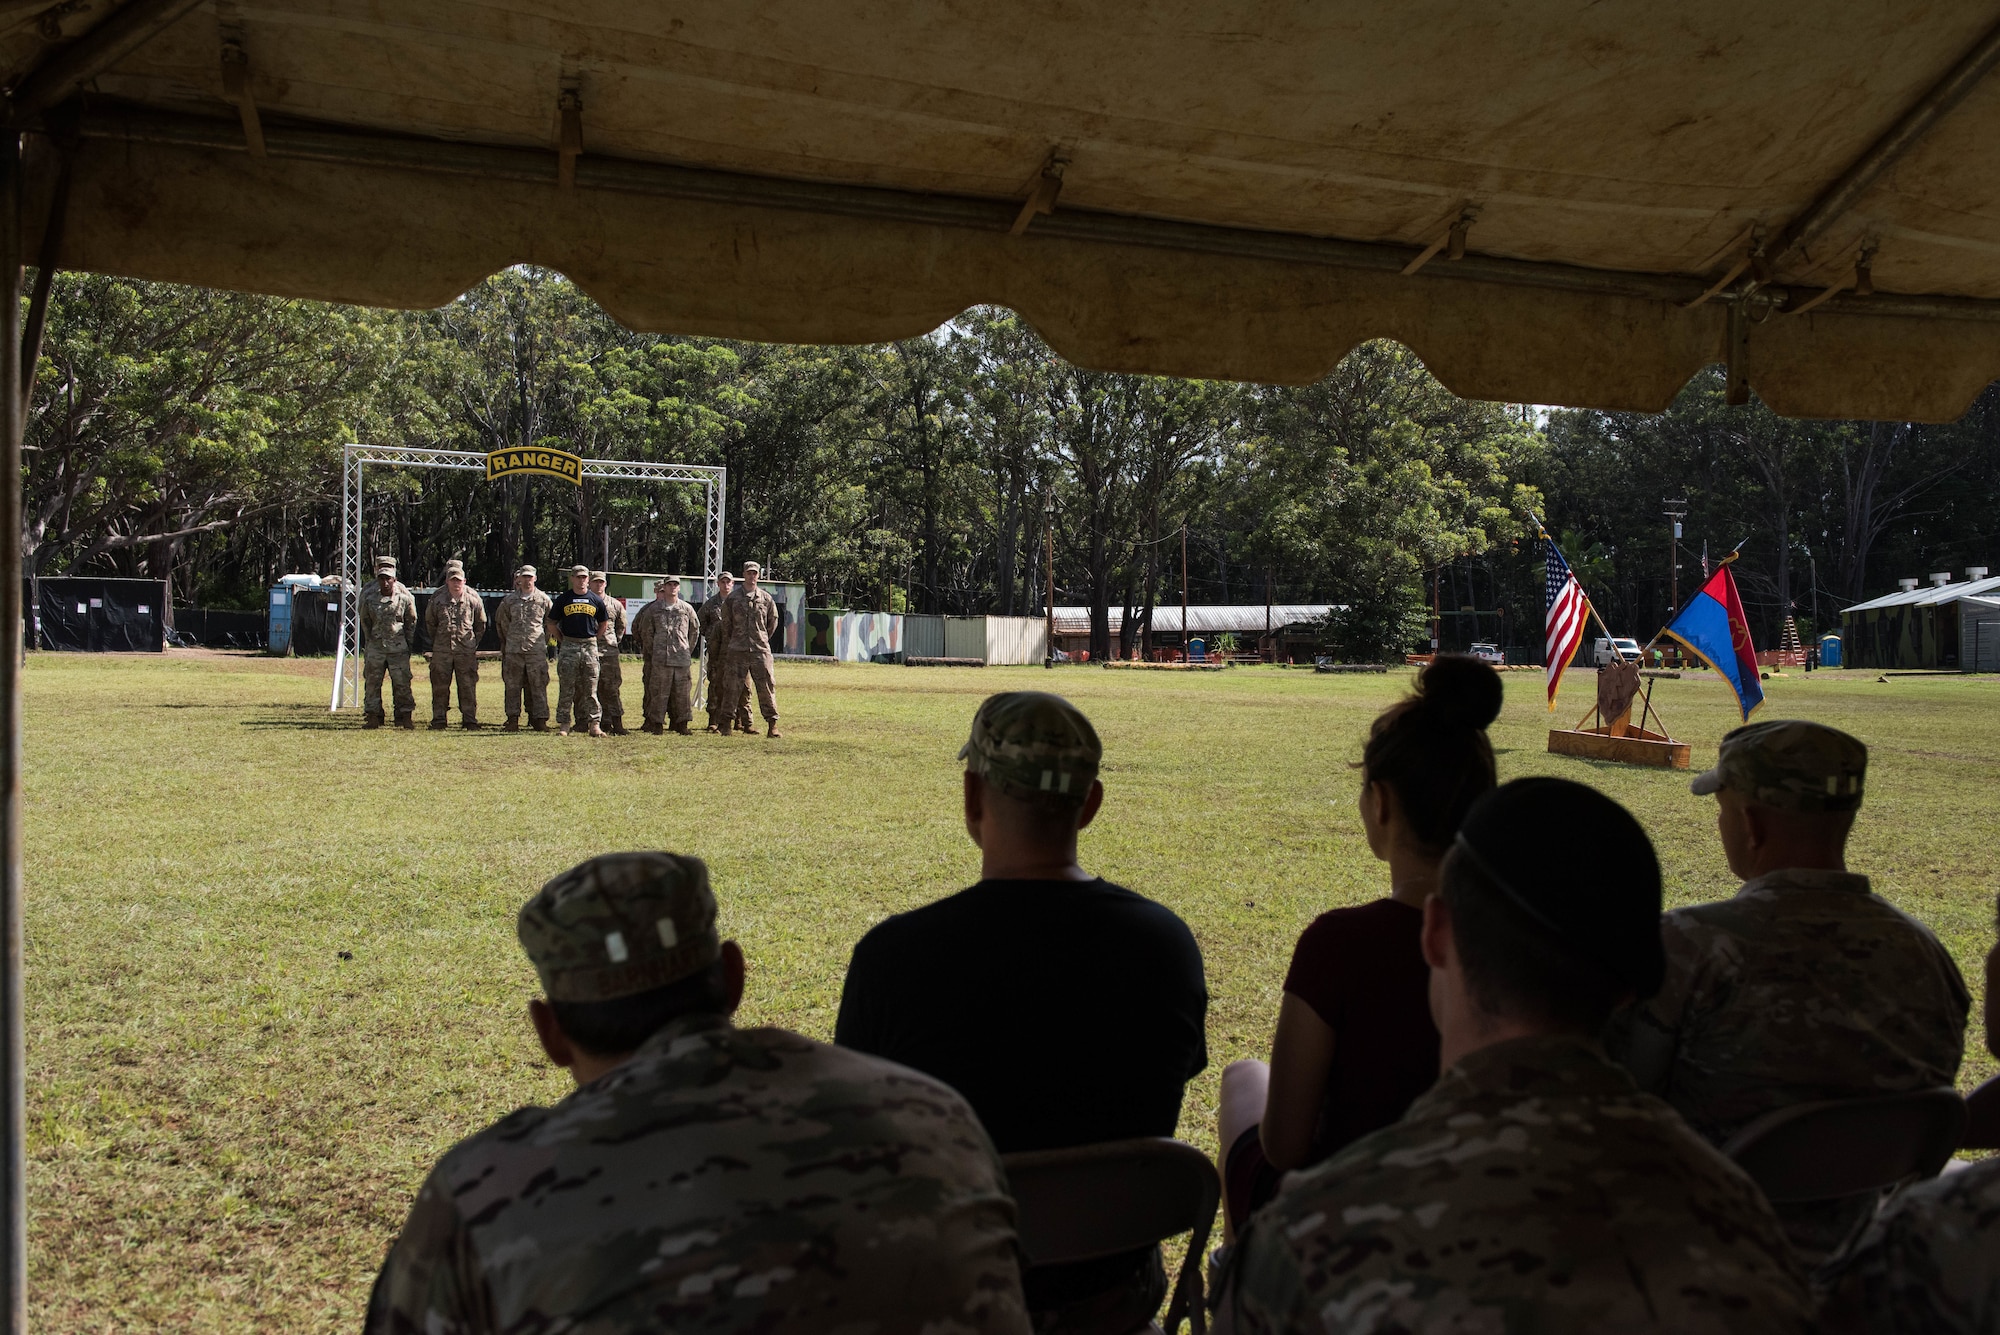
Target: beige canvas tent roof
[{"x": 1235, "y": 188}]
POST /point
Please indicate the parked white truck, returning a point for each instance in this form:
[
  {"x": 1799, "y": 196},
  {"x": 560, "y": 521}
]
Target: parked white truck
[{"x": 1604, "y": 652}]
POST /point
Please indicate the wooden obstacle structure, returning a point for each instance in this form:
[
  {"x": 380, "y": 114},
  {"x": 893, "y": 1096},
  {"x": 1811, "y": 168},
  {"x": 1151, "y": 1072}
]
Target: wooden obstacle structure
[{"x": 1616, "y": 737}]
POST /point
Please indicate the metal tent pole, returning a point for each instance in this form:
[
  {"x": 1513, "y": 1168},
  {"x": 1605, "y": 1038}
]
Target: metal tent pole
[{"x": 13, "y": 1048}]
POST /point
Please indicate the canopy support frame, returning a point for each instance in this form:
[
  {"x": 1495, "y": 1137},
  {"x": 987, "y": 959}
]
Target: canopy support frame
[
  {"x": 354, "y": 457},
  {"x": 132, "y": 124}
]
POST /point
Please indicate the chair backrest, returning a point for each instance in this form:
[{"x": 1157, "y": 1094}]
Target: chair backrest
[
  {"x": 1982, "y": 1118},
  {"x": 1118, "y": 1196},
  {"x": 1844, "y": 1147}
]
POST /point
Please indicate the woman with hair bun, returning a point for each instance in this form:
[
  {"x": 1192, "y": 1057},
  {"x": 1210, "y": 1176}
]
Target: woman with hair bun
[{"x": 1355, "y": 1042}]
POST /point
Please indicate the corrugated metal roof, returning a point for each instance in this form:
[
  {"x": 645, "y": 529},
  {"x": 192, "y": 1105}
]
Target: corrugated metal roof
[
  {"x": 1929, "y": 595},
  {"x": 1211, "y": 619}
]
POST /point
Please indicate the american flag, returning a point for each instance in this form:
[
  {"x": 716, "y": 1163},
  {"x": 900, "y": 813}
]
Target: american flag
[{"x": 1563, "y": 628}]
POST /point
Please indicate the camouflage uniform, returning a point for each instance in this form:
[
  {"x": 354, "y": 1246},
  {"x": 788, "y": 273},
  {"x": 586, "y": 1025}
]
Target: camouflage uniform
[
  {"x": 524, "y": 662},
  {"x": 1928, "y": 1265},
  {"x": 748, "y": 618},
  {"x": 1804, "y": 986},
  {"x": 1533, "y": 1188},
  {"x": 610, "y": 673},
  {"x": 386, "y": 622},
  {"x": 720, "y": 1179},
  {"x": 667, "y": 636},
  {"x": 723, "y": 703},
  {"x": 455, "y": 626}
]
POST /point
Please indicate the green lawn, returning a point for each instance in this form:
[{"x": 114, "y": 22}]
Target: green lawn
[{"x": 229, "y": 1114}]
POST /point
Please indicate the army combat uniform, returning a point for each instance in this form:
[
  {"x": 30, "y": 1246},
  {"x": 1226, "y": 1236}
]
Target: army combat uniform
[
  {"x": 1532, "y": 1188},
  {"x": 721, "y": 1179},
  {"x": 610, "y": 673},
  {"x": 723, "y": 702},
  {"x": 387, "y": 620},
  {"x": 1929, "y": 1264},
  {"x": 748, "y": 618},
  {"x": 521, "y": 619},
  {"x": 667, "y": 634},
  {"x": 1803, "y": 986},
  {"x": 456, "y": 626}
]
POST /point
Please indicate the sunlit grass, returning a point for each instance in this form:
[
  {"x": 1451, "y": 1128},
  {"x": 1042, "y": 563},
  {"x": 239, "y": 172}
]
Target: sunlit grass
[{"x": 228, "y": 1116}]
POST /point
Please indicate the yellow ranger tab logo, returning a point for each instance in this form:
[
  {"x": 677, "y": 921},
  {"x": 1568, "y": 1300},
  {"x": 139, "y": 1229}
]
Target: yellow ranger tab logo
[{"x": 547, "y": 463}]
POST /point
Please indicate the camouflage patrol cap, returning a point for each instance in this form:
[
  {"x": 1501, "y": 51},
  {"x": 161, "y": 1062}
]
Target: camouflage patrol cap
[
  {"x": 660, "y": 585},
  {"x": 383, "y": 563},
  {"x": 580, "y": 570},
  {"x": 1791, "y": 765},
  {"x": 749, "y": 566},
  {"x": 597, "y": 575},
  {"x": 1033, "y": 744},
  {"x": 524, "y": 570},
  {"x": 620, "y": 924},
  {"x": 454, "y": 568},
  {"x": 725, "y": 578}
]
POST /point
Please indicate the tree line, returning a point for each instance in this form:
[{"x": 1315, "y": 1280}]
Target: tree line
[{"x": 195, "y": 435}]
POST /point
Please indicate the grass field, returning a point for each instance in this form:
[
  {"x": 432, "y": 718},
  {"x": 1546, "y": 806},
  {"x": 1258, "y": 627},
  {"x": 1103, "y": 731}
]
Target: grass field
[{"x": 272, "y": 970}]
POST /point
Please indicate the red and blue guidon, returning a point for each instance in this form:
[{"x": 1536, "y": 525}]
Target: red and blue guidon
[{"x": 1713, "y": 628}]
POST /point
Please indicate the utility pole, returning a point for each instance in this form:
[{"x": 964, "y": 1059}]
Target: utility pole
[
  {"x": 1049, "y": 603},
  {"x": 1267, "y": 614},
  {"x": 1184, "y": 633},
  {"x": 606, "y": 567},
  {"x": 1675, "y": 512}
]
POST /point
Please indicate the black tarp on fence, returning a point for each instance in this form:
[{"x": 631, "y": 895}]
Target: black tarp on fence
[
  {"x": 213, "y": 628},
  {"x": 316, "y": 620},
  {"x": 82, "y": 614}
]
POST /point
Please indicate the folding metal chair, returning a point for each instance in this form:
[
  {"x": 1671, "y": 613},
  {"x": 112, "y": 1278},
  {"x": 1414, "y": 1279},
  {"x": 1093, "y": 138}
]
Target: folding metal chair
[
  {"x": 1982, "y": 1117},
  {"x": 1098, "y": 1200},
  {"x": 1844, "y": 1147}
]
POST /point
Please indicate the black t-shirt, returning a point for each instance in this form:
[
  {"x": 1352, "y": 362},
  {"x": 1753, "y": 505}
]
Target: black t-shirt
[
  {"x": 1066, "y": 1013},
  {"x": 580, "y": 614}
]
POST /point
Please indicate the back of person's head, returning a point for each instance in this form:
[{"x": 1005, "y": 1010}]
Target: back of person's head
[
  {"x": 1037, "y": 751},
  {"x": 625, "y": 944},
  {"x": 1431, "y": 748},
  {"x": 1554, "y": 892}
]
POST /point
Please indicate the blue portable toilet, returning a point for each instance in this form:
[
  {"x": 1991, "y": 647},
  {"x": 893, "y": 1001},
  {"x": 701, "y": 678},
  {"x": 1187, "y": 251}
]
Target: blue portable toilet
[
  {"x": 1197, "y": 652},
  {"x": 278, "y": 635},
  {"x": 1829, "y": 651}
]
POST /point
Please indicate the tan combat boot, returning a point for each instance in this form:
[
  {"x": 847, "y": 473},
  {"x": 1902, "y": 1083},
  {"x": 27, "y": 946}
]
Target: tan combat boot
[{"x": 771, "y": 729}]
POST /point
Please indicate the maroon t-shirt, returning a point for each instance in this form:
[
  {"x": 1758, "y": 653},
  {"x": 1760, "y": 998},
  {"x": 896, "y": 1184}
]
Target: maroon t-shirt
[{"x": 1362, "y": 971}]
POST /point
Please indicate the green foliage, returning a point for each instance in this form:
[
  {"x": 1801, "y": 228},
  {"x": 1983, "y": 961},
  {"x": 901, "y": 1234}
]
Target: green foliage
[{"x": 1380, "y": 625}]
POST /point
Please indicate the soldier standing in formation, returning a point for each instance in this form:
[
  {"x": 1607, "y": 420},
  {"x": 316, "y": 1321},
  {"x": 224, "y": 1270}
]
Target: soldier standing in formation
[
  {"x": 578, "y": 620},
  {"x": 456, "y": 619},
  {"x": 668, "y": 630},
  {"x": 524, "y": 662},
  {"x": 388, "y": 615},
  {"x": 610, "y": 676},
  {"x": 720, "y": 697},
  {"x": 749, "y": 615}
]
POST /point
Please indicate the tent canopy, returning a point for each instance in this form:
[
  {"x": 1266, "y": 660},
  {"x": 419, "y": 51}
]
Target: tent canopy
[{"x": 1234, "y": 188}]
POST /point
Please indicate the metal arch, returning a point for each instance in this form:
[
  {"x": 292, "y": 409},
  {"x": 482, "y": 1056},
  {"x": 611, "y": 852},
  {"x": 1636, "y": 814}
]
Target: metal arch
[{"x": 347, "y": 657}]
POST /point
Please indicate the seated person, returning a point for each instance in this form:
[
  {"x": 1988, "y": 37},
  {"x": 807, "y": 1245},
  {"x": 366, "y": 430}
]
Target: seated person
[
  {"x": 1355, "y": 1041},
  {"x": 1533, "y": 1187},
  {"x": 1803, "y": 986},
  {"x": 1066, "y": 1009},
  {"x": 1929, "y": 1264},
  {"x": 701, "y": 1176}
]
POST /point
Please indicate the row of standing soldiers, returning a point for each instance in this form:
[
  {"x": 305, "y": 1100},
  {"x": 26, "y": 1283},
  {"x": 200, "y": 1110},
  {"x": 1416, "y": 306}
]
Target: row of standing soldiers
[{"x": 732, "y": 629}]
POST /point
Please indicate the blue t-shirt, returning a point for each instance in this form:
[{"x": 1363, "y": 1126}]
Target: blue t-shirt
[{"x": 580, "y": 614}]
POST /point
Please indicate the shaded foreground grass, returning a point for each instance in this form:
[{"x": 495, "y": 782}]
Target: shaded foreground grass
[{"x": 271, "y": 960}]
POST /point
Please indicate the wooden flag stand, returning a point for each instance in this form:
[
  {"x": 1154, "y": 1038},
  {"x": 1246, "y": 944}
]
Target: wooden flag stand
[{"x": 1616, "y": 737}]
